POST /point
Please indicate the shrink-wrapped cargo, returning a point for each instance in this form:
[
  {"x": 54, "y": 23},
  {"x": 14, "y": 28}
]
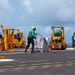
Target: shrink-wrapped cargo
[{"x": 57, "y": 33}]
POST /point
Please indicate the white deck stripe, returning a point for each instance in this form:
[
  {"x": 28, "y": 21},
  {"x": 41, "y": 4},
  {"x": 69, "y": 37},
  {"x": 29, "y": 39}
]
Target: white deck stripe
[
  {"x": 69, "y": 48},
  {"x": 11, "y": 53},
  {"x": 6, "y": 60}
]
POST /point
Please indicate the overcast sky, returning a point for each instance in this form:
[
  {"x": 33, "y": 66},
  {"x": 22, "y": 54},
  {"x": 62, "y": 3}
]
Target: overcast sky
[{"x": 24, "y": 14}]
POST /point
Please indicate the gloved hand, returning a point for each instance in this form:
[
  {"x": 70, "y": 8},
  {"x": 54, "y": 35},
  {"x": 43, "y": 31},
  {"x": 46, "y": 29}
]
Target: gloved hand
[
  {"x": 35, "y": 33},
  {"x": 34, "y": 37}
]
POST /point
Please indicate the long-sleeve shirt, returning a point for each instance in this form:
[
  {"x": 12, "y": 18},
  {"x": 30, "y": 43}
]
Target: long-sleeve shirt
[{"x": 31, "y": 34}]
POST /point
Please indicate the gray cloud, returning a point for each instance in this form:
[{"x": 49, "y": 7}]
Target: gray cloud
[
  {"x": 40, "y": 13},
  {"x": 48, "y": 12}
]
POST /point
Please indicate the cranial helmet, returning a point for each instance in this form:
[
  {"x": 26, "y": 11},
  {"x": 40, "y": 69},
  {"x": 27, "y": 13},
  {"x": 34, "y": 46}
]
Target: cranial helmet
[{"x": 34, "y": 28}]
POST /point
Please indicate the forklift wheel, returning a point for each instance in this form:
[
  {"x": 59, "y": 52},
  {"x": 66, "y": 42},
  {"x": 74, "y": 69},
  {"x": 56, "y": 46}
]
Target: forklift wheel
[{"x": 22, "y": 45}]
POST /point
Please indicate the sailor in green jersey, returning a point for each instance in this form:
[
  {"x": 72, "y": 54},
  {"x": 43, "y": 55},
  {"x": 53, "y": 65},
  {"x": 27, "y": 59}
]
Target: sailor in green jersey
[
  {"x": 73, "y": 40},
  {"x": 31, "y": 37},
  {"x": 72, "y": 37}
]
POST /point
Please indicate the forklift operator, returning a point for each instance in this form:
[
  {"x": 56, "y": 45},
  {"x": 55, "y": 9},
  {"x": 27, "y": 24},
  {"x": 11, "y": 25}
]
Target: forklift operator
[
  {"x": 18, "y": 37},
  {"x": 0, "y": 35}
]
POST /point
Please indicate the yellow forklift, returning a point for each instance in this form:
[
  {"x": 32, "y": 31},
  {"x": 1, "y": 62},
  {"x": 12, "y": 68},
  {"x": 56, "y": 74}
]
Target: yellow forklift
[
  {"x": 17, "y": 38},
  {"x": 5, "y": 44},
  {"x": 57, "y": 41}
]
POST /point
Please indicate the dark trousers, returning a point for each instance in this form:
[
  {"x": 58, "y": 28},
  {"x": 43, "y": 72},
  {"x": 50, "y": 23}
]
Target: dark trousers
[
  {"x": 73, "y": 43},
  {"x": 30, "y": 41}
]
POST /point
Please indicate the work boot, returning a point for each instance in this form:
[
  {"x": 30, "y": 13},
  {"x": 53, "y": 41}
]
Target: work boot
[
  {"x": 25, "y": 51},
  {"x": 32, "y": 51}
]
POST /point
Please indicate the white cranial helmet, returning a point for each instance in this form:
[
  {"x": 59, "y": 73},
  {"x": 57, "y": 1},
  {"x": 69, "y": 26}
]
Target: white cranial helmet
[{"x": 34, "y": 28}]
